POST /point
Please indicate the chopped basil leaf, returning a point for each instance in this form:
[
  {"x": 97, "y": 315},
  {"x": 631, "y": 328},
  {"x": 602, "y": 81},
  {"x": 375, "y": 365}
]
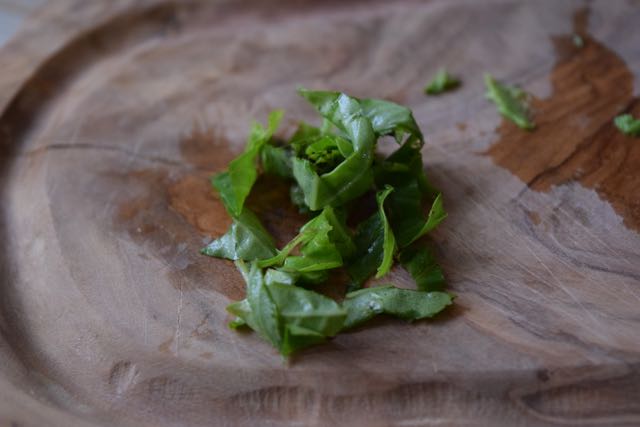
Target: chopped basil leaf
[
  {"x": 246, "y": 240},
  {"x": 512, "y": 102},
  {"x": 424, "y": 269},
  {"x": 406, "y": 304},
  {"x": 235, "y": 184},
  {"x": 628, "y": 125},
  {"x": 375, "y": 245},
  {"x": 442, "y": 82}
]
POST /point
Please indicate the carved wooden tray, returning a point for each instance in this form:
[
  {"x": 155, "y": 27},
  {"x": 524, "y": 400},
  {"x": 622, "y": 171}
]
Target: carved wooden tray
[{"x": 114, "y": 113}]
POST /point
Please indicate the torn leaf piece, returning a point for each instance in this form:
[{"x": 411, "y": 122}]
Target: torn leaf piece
[
  {"x": 512, "y": 102},
  {"x": 406, "y": 304}
]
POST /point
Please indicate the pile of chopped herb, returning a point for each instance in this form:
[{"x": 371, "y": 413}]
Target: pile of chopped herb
[{"x": 333, "y": 170}]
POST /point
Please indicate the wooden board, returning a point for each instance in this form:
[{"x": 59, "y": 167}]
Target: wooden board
[{"x": 114, "y": 113}]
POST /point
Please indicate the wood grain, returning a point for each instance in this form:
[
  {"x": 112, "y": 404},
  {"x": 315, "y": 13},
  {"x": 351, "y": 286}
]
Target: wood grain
[
  {"x": 591, "y": 84},
  {"x": 114, "y": 113}
]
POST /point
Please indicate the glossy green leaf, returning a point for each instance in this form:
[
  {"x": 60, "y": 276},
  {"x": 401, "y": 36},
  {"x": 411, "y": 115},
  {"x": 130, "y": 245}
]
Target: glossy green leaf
[
  {"x": 628, "y": 125},
  {"x": 260, "y": 312},
  {"x": 234, "y": 185},
  {"x": 386, "y": 117},
  {"x": 287, "y": 316},
  {"x": 347, "y": 181},
  {"x": 424, "y": 269},
  {"x": 442, "y": 82},
  {"x": 406, "y": 205},
  {"x": 512, "y": 102},
  {"x": 311, "y": 278},
  {"x": 340, "y": 235},
  {"x": 246, "y": 239},
  {"x": 407, "y": 304},
  {"x": 276, "y": 161},
  {"x": 351, "y": 177},
  {"x": 406, "y": 214},
  {"x": 304, "y": 135},
  {"x": 375, "y": 245},
  {"x": 308, "y": 317},
  {"x": 308, "y": 309},
  {"x": 388, "y": 240},
  {"x": 318, "y": 251}
]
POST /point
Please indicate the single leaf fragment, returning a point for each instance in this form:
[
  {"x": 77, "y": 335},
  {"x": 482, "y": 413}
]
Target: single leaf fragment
[
  {"x": 234, "y": 185},
  {"x": 442, "y": 82},
  {"x": 512, "y": 102},
  {"x": 375, "y": 245},
  {"x": 245, "y": 240},
  {"x": 406, "y": 304},
  {"x": 628, "y": 125},
  {"x": 422, "y": 266},
  {"x": 289, "y": 317}
]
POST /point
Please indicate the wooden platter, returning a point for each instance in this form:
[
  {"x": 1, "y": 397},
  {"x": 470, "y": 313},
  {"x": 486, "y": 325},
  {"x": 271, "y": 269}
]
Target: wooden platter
[{"x": 114, "y": 113}]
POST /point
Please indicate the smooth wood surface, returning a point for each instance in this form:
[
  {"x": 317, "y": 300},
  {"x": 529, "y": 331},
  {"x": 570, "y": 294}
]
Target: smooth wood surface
[{"x": 114, "y": 113}]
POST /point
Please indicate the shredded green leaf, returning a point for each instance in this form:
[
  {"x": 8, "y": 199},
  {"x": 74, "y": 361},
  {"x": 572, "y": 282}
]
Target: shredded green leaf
[
  {"x": 334, "y": 171},
  {"x": 235, "y": 184},
  {"x": 424, "y": 269},
  {"x": 512, "y": 102},
  {"x": 628, "y": 125},
  {"x": 406, "y": 304},
  {"x": 246, "y": 240},
  {"x": 442, "y": 82}
]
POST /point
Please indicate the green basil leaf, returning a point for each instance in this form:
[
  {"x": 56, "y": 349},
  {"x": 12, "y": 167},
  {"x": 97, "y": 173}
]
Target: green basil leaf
[
  {"x": 388, "y": 240},
  {"x": 403, "y": 166},
  {"x": 246, "y": 239},
  {"x": 353, "y": 176},
  {"x": 324, "y": 153},
  {"x": 234, "y": 185},
  {"x": 264, "y": 317},
  {"x": 276, "y": 161},
  {"x": 317, "y": 250},
  {"x": 442, "y": 82},
  {"x": 406, "y": 304},
  {"x": 340, "y": 235},
  {"x": 424, "y": 269},
  {"x": 628, "y": 125},
  {"x": 279, "y": 275},
  {"x": 375, "y": 245},
  {"x": 403, "y": 171},
  {"x": 406, "y": 214},
  {"x": 308, "y": 309},
  {"x": 242, "y": 311},
  {"x": 287, "y": 316},
  {"x": 309, "y": 318},
  {"x": 347, "y": 181},
  {"x": 386, "y": 117},
  {"x": 297, "y": 198},
  {"x": 272, "y": 276},
  {"x": 512, "y": 102}
]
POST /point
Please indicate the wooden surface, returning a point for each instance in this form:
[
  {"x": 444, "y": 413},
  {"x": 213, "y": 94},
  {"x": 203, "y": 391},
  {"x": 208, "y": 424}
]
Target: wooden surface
[
  {"x": 12, "y": 13},
  {"x": 114, "y": 114}
]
